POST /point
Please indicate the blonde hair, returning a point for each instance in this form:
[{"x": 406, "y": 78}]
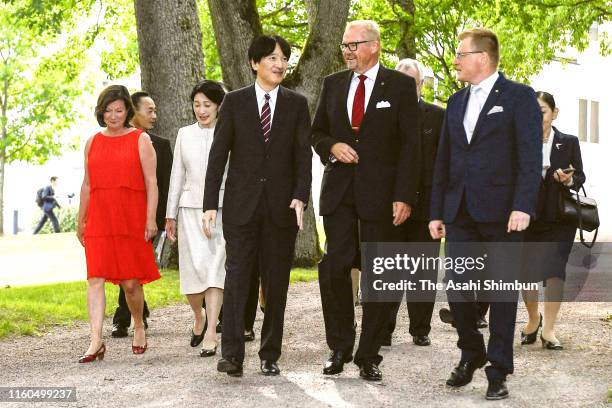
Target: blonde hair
[
  {"x": 484, "y": 40},
  {"x": 369, "y": 26}
]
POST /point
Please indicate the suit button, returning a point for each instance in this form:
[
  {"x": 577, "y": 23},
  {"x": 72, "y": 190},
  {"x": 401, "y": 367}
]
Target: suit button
[
  {"x": 356, "y": 140},
  {"x": 267, "y": 156},
  {"x": 262, "y": 179}
]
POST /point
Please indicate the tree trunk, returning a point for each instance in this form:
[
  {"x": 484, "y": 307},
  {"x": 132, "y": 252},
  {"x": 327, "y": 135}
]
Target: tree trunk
[
  {"x": 171, "y": 59},
  {"x": 171, "y": 63},
  {"x": 236, "y": 23},
  {"x": 406, "y": 48}
]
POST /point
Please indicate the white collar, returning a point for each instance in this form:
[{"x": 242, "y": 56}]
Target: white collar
[
  {"x": 370, "y": 73},
  {"x": 259, "y": 92},
  {"x": 486, "y": 84}
]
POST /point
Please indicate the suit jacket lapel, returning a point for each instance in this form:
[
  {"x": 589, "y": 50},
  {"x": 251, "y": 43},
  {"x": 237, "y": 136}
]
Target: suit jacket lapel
[
  {"x": 253, "y": 114},
  {"x": 496, "y": 91},
  {"x": 280, "y": 109},
  {"x": 555, "y": 151},
  {"x": 377, "y": 94},
  {"x": 462, "y": 108},
  {"x": 345, "y": 85}
]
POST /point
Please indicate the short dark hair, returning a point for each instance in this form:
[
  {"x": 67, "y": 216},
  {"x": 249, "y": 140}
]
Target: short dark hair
[
  {"x": 137, "y": 96},
  {"x": 53, "y": 178},
  {"x": 547, "y": 99},
  {"x": 264, "y": 45},
  {"x": 212, "y": 89},
  {"x": 484, "y": 40},
  {"x": 111, "y": 94}
]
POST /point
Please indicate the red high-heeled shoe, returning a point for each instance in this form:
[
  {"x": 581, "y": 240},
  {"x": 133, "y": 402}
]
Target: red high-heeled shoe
[
  {"x": 139, "y": 349},
  {"x": 88, "y": 358}
]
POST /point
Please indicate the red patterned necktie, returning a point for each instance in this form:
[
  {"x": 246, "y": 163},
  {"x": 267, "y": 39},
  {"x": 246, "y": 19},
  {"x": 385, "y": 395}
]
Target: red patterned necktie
[
  {"x": 266, "y": 119},
  {"x": 358, "y": 104}
]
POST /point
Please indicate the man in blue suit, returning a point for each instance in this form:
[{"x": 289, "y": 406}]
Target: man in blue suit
[
  {"x": 48, "y": 204},
  {"x": 485, "y": 188}
]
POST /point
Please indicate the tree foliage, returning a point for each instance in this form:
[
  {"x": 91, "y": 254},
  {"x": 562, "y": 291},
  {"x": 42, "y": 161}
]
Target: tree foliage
[{"x": 531, "y": 33}]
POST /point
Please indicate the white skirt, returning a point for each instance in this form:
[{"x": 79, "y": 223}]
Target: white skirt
[{"x": 201, "y": 260}]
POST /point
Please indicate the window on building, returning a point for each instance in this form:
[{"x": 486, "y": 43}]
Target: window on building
[
  {"x": 582, "y": 120},
  {"x": 594, "y": 125}
]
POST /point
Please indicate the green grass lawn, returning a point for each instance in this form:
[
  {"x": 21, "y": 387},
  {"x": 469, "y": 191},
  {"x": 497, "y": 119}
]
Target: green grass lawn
[{"x": 31, "y": 310}]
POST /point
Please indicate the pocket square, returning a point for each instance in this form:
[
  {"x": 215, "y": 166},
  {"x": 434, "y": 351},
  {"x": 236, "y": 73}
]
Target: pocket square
[
  {"x": 496, "y": 109},
  {"x": 382, "y": 104}
]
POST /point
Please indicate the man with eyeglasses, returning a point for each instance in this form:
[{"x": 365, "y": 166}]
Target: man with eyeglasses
[
  {"x": 485, "y": 187},
  {"x": 366, "y": 132}
]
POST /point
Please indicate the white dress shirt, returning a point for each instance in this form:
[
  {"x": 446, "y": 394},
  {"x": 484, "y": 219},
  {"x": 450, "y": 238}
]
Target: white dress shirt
[
  {"x": 369, "y": 85},
  {"x": 478, "y": 96},
  {"x": 261, "y": 100},
  {"x": 546, "y": 150}
]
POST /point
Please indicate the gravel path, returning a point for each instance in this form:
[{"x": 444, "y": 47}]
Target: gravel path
[{"x": 171, "y": 374}]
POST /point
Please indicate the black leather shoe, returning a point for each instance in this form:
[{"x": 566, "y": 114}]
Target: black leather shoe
[
  {"x": 370, "y": 372},
  {"x": 336, "y": 361},
  {"x": 530, "y": 338},
  {"x": 482, "y": 323},
  {"x": 421, "y": 340},
  {"x": 550, "y": 345},
  {"x": 230, "y": 366},
  {"x": 119, "y": 331},
  {"x": 196, "y": 339},
  {"x": 249, "y": 335},
  {"x": 447, "y": 316},
  {"x": 269, "y": 367},
  {"x": 497, "y": 390},
  {"x": 463, "y": 373}
]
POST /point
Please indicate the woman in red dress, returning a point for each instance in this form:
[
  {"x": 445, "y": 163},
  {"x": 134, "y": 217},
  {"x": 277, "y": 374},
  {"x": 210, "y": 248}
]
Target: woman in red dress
[{"x": 117, "y": 215}]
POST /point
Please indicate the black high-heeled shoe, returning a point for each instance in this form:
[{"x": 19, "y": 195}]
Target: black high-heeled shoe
[
  {"x": 196, "y": 339},
  {"x": 531, "y": 338},
  {"x": 549, "y": 345}
]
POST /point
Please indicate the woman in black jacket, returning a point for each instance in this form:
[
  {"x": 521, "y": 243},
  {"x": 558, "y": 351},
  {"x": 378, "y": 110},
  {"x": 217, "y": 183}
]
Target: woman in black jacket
[{"x": 548, "y": 240}]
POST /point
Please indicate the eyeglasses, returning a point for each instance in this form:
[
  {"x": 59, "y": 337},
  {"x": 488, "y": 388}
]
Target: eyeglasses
[
  {"x": 352, "y": 46},
  {"x": 460, "y": 55}
]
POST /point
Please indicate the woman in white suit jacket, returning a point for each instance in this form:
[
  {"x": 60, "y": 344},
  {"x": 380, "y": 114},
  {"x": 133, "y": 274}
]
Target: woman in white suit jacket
[{"x": 201, "y": 260}]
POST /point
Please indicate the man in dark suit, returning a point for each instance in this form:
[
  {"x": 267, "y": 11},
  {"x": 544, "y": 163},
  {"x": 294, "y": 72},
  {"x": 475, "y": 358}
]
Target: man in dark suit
[
  {"x": 485, "y": 187},
  {"x": 416, "y": 228},
  {"x": 145, "y": 115},
  {"x": 266, "y": 128},
  {"x": 366, "y": 132},
  {"x": 48, "y": 204}
]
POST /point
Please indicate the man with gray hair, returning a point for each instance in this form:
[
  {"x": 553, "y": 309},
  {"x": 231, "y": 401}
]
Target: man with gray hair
[
  {"x": 368, "y": 140},
  {"x": 416, "y": 228}
]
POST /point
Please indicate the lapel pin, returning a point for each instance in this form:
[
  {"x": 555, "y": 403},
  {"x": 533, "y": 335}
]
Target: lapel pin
[
  {"x": 382, "y": 83},
  {"x": 497, "y": 90},
  {"x": 558, "y": 145}
]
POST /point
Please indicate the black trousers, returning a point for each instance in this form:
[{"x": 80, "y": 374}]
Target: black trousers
[
  {"x": 47, "y": 215},
  {"x": 250, "y": 310},
  {"x": 335, "y": 281},
  {"x": 418, "y": 312},
  {"x": 463, "y": 303},
  {"x": 271, "y": 246}
]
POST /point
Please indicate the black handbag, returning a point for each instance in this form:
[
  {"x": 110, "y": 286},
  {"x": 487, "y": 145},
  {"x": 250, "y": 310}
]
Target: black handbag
[{"x": 579, "y": 211}]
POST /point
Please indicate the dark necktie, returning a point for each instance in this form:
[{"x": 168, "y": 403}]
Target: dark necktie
[
  {"x": 358, "y": 104},
  {"x": 266, "y": 119}
]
